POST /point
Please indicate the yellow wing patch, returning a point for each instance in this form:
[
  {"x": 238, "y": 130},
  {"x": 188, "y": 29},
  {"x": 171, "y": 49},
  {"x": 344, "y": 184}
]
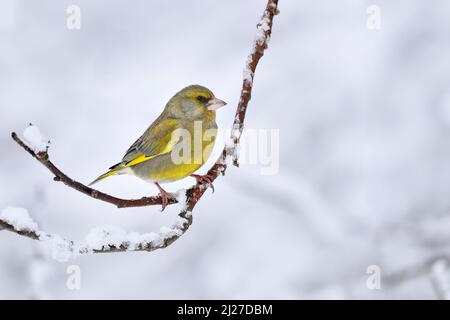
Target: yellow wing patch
[
  {"x": 161, "y": 140},
  {"x": 141, "y": 158}
]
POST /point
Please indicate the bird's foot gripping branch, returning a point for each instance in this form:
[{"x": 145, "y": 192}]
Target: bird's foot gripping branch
[{"x": 111, "y": 239}]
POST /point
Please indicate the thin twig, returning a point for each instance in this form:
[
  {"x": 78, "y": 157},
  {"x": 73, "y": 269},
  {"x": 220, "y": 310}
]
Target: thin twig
[{"x": 43, "y": 157}]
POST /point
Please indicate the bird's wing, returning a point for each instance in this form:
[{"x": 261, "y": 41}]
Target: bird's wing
[{"x": 158, "y": 139}]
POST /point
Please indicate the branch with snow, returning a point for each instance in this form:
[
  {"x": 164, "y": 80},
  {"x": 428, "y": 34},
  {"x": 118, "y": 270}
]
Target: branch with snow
[
  {"x": 101, "y": 239},
  {"x": 116, "y": 240},
  {"x": 35, "y": 139}
]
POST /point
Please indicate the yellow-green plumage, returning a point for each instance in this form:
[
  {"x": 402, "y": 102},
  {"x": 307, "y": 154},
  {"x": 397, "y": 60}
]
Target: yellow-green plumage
[{"x": 189, "y": 114}]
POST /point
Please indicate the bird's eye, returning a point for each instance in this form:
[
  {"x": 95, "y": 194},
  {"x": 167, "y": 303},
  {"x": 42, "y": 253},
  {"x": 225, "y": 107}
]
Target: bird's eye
[{"x": 202, "y": 99}]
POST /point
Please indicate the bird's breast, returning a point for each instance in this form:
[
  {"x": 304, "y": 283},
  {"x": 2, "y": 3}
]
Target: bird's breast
[{"x": 187, "y": 156}]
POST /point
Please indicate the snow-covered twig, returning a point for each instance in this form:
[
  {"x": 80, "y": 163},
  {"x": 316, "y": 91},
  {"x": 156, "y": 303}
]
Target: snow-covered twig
[
  {"x": 102, "y": 239},
  {"x": 39, "y": 150}
]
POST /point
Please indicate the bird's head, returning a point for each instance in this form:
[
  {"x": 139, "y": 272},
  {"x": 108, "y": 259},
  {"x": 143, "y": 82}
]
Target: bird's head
[{"x": 193, "y": 102}]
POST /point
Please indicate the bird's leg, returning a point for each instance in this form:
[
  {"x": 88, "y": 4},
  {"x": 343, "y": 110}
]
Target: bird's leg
[
  {"x": 205, "y": 179},
  {"x": 164, "y": 196}
]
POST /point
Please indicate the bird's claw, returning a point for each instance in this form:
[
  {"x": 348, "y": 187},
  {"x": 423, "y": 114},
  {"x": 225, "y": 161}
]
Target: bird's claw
[
  {"x": 204, "y": 179},
  {"x": 164, "y": 197},
  {"x": 164, "y": 200}
]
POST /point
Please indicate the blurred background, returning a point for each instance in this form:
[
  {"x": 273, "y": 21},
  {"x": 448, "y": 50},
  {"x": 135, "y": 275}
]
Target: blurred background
[{"x": 364, "y": 160}]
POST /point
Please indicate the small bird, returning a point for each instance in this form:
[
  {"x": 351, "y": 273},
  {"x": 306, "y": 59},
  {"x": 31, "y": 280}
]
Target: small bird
[{"x": 176, "y": 144}]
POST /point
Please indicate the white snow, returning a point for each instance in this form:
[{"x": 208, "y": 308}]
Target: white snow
[
  {"x": 60, "y": 249},
  {"x": 104, "y": 236},
  {"x": 19, "y": 218},
  {"x": 262, "y": 28},
  {"x": 164, "y": 229},
  {"x": 35, "y": 140},
  {"x": 136, "y": 240},
  {"x": 260, "y": 40},
  {"x": 180, "y": 195},
  {"x": 175, "y": 229},
  {"x": 236, "y": 132},
  {"x": 248, "y": 73},
  {"x": 230, "y": 143}
]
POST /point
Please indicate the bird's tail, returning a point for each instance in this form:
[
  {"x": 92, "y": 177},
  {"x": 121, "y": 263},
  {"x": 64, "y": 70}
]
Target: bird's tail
[{"x": 110, "y": 173}]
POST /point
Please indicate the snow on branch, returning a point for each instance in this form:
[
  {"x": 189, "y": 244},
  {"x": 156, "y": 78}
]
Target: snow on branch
[
  {"x": 111, "y": 239},
  {"x": 35, "y": 139},
  {"x": 101, "y": 239}
]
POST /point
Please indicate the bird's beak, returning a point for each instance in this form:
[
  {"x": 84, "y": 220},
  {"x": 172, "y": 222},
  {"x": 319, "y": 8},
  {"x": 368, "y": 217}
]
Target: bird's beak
[{"x": 215, "y": 104}]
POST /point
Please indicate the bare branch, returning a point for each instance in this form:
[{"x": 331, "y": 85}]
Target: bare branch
[
  {"x": 193, "y": 195},
  {"x": 43, "y": 157}
]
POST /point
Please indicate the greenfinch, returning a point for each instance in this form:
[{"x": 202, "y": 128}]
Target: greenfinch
[{"x": 176, "y": 144}]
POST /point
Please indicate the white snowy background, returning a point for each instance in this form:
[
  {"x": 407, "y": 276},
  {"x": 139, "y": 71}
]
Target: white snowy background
[{"x": 364, "y": 120}]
